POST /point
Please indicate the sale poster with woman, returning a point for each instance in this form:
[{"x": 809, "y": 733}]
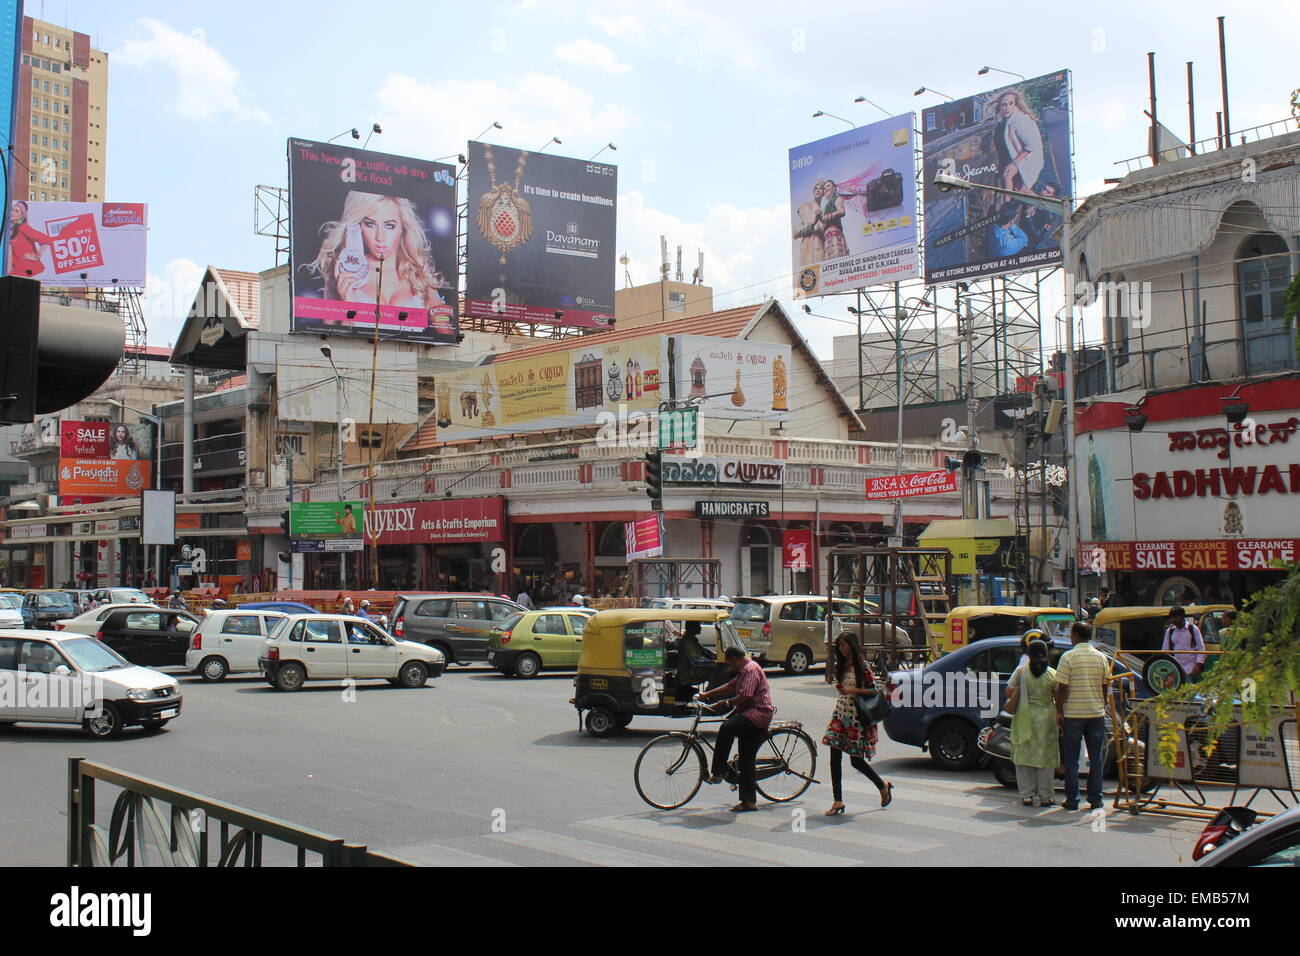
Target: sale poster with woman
[
  {"x": 78, "y": 245},
  {"x": 372, "y": 244}
]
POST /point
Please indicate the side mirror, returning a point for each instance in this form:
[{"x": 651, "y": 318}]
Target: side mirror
[{"x": 62, "y": 671}]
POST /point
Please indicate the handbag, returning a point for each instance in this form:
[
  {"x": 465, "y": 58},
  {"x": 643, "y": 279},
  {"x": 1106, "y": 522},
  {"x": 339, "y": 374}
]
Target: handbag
[{"x": 873, "y": 707}]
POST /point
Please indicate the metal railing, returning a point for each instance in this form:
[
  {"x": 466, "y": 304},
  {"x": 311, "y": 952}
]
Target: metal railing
[
  {"x": 1213, "y": 143},
  {"x": 152, "y": 824}
]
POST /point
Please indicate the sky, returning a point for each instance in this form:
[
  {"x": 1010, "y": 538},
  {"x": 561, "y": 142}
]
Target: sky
[{"x": 702, "y": 101}]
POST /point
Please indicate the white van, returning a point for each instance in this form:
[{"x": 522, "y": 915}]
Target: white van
[
  {"x": 230, "y": 642},
  {"x": 56, "y": 678}
]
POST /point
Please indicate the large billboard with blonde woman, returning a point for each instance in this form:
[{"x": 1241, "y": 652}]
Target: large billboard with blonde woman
[
  {"x": 1016, "y": 138},
  {"x": 372, "y": 242}
]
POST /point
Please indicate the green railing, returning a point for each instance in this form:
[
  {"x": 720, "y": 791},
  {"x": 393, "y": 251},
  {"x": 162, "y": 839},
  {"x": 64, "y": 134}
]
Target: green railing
[{"x": 152, "y": 824}]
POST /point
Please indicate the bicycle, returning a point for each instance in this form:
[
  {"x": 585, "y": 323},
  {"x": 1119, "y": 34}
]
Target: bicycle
[{"x": 673, "y": 766}]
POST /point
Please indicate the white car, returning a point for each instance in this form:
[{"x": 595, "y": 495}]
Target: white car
[
  {"x": 89, "y": 622},
  {"x": 230, "y": 642},
  {"x": 121, "y": 596},
  {"x": 708, "y": 632},
  {"x": 11, "y": 609},
  {"x": 307, "y": 647},
  {"x": 52, "y": 678}
]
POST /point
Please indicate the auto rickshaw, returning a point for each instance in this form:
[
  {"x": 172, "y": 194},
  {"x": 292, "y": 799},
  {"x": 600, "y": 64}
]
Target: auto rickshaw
[
  {"x": 647, "y": 662},
  {"x": 970, "y": 623},
  {"x": 1137, "y": 634}
]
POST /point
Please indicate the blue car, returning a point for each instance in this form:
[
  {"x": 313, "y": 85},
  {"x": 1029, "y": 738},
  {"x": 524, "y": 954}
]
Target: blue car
[
  {"x": 286, "y": 607},
  {"x": 943, "y": 706}
]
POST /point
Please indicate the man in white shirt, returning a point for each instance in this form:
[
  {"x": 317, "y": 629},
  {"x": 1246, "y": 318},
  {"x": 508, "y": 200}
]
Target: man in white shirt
[
  {"x": 524, "y": 600},
  {"x": 1184, "y": 640}
]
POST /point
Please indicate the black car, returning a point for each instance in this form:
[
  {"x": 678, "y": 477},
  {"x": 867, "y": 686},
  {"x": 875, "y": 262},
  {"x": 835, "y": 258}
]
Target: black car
[
  {"x": 42, "y": 608},
  {"x": 152, "y": 637}
]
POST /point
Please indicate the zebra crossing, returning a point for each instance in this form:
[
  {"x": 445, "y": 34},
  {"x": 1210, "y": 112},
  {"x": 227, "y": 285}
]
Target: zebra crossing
[{"x": 928, "y": 817}]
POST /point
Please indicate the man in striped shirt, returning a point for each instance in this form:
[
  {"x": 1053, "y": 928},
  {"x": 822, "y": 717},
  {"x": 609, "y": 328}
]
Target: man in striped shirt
[
  {"x": 751, "y": 700},
  {"x": 1081, "y": 678}
]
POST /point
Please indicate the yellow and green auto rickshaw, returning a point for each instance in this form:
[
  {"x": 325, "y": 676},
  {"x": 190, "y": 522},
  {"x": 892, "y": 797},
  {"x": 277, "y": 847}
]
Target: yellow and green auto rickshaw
[
  {"x": 1137, "y": 634},
  {"x": 648, "y": 662},
  {"x": 969, "y": 623}
]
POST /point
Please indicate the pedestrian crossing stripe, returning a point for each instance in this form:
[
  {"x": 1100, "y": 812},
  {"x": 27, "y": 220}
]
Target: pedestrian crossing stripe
[
  {"x": 584, "y": 851},
  {"x": 718, "y": 841}
]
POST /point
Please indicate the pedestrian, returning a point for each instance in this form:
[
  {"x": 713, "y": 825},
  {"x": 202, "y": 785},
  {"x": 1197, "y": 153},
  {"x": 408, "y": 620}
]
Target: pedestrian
[
  {"x": 1104, "y": 594},
  {"x": 1033, "y": 634},
  {"x": 1081, "y": 677},
  {"x": 1035, "y": 748},
  {"x": 848, "y": 732},
  {"x": 1228, "y": 631},
  {"x": 525, "y": 600},
  {"x": 1184, "y": 640},
  {"x": 348, "y": 607},
  {"x": 751, "y": 701}
]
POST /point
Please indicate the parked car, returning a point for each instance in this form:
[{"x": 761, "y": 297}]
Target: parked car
[
  {"x": 1236, "y": 837},
  {"x": 305, "y": 647},
  {"x": 284, "y": 607},
  {"x": 104, "y": 596},
  {"x": 154, "y": 637},
  {"x": 937, "y": 707},
  {"x": 90, "y": 622},
  {"x": 74, "y": 679},
  {"x": 230, "y": 642},
  {"x": 459, "y": 625},
  {"x": 42, "y": 608},
  {"x": 789, "y": 630},
  {"x": 11, "y": 609},
  {"x": 532, "y": 641}
]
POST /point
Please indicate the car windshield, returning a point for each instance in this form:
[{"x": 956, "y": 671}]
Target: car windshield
[
  {"x": 750, "y": 611},
  {"x": 277, "y": 628},
  {"x": 92, "y": 656},
  {"x": 54, "y": 600},
  {"x": 1056, "y": 625},
  {"x": 509, "y": 623},
  {"x": 11, "y": 602},
  {"x": 128, "y": 596}
]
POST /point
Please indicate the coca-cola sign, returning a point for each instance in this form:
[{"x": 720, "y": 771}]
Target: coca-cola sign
[
  {"x": 911, "y": 485},
  {"x": 457, "y": 521}
]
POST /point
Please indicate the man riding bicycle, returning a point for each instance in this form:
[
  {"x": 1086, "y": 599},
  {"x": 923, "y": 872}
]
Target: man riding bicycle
[{"x": 750, "y": 699}]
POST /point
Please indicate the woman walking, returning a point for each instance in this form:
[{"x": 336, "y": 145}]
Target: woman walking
[
  {"x": 848, "y": 732},
  {"x": 1035, "y": 748}
]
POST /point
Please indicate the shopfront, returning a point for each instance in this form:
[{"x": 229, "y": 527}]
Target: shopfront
[{"x": 457, "y": 544}]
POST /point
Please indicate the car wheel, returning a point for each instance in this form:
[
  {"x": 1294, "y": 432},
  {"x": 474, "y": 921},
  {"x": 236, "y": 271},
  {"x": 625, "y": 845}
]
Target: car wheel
[
  {"x": 798, "y": 660},
  {"x": 106, "y": 725},
  {"x": 527, "y": 664},
  {"x": 953, "y": 744},
  {"x": 290, "y": 677},
  {"x": 212, "y": 668},
  {"x": 601, "y": 722},
  {"x": 1004, "y": 771},
  {"x": 413, "y": 674},
  {"x": 448, "y": 657}
]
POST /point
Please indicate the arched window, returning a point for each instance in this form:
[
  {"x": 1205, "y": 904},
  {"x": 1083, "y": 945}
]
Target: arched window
[
  {"x": 536, "y": 541},
  {"x": 613, "y": 541},
  {"x": 1263, "y": 273}
]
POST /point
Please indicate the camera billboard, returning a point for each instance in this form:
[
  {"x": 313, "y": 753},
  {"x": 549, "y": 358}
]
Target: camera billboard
[
  {"x": 1016, "y": 137},
  {"x": 372, "y": 241},
  {"x": 853, "y": 209},
  {"x": 541, "y": 230}
]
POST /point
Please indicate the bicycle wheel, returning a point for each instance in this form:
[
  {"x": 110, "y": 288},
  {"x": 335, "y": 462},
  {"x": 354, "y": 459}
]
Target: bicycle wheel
[
  {"x": 669, "y": 771},
  {"x": 787, "y": 761}
]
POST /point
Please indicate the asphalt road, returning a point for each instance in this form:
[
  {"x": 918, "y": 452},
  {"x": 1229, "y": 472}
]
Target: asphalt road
[{"x": 477, "y": 769}]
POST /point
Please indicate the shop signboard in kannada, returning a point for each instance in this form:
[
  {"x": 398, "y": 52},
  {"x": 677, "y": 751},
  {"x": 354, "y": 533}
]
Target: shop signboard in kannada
[
  {"x": 911, "y": 485},
  {"x": 733, "y": 378},
  {"x": 724, "y": 471},
  {"x": 644, "y": 537}
]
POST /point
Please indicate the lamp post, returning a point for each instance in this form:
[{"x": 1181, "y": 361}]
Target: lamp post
[
  {"x": 554, "y": 139},
  {"x": 338, "y": 452},
  {"x": 931, "y": 89},
  {"x": 157, "y": 476},
  {"x": 863, "y": 99},
  {"x": 984, "y": 70},
  {"x": 603, "y": 148},
  {"x": 833, "y": 116},
  {"x": 1063, "y": 205}
]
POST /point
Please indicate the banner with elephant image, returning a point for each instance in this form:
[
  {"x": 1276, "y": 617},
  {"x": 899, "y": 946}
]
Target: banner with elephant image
[{"x": 558, "y": 389}]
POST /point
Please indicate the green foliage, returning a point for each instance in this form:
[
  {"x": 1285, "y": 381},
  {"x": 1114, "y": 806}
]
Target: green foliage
[
  {"x": 1291, "y": 303},
  {"x": 1258, "y": 672}
]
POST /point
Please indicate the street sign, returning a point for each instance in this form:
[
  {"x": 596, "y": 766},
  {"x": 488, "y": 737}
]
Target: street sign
[{"x": 679, "y": 428}]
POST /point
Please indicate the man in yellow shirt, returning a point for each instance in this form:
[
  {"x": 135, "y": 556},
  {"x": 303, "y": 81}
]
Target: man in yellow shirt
[{"x": 1081, "y": 678}]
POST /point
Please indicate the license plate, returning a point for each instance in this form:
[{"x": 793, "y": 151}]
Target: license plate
[
  {"x": 169, "y": 713},
  {"x": 745, "y": 633}
]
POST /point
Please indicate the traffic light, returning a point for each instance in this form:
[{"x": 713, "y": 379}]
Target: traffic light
[
  {"x": 284, "y": 523},
  {"x": 654, "y": 479},
  {"x": 51, "y": 356}
]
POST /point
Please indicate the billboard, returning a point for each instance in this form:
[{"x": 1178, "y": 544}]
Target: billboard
[
  {"x": 911, "y": 485},
  {"x": 541, "y": 238},
  {"x": 853, "y": 209},
  {"x": 11, "y": 28},
  {"x": 1016, "y": 137},
  {"x": 158, "y": 517},
  {"x": 372, "y": 241},
  {"x": 644, "y": 537},
  {"x": 732, "y": 378},
  {"x": 327, "y": 525},
  {"x": 99, "y": 478},
  {"x": 559, "y": 389},
  {"x": 104, "y": 440},
  {"x": 78, "y": 244}
]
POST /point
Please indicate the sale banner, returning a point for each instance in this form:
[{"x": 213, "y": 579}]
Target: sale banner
[
  {"x": 108, "y": 479},
  {"x": 893, "y": 487},
  {"x": 83, "y": 439},
  {"x": 76, "y": 245},
  {"x": 81, "y": 244}
]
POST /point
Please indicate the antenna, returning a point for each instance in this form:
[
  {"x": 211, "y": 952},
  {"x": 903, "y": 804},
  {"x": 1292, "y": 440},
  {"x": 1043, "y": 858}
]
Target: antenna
[
  {"x": 663, "y": 258},
  {"x": 679, "y": 262},
  {"x": 698, "y": 277},
  {"x": 627, "y": 276}
]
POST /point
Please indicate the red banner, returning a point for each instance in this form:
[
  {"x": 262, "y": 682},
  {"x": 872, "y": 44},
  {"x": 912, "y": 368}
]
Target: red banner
[
  {"x": 1219, "y": 554},
  {"x": 75, "y": 246},
  {"x": 893, "y": 487},
  {"x": 460, "y": 520},
  {"x": 644, "y": 538},
  {"x": 797, "y": 546},
  {"x": 83, "y": 439}
]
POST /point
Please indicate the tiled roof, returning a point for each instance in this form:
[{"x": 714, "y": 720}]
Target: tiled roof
[
  {"x": 727, "y": 324},
  {"x": 245, "y": 290},
  {"x": 238, "y": 381},
  {"x": 424, "y": 437}
]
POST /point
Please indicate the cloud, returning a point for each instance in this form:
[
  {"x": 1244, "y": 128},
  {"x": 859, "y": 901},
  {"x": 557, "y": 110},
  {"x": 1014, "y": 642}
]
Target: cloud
[
  {"x": 695, "y": 35},
  {"x": 433, "y": 119},
  {"x": 203, "y": 82},
  {"x": 590, "y": 55},
  {"x": 168, "y": 299}
]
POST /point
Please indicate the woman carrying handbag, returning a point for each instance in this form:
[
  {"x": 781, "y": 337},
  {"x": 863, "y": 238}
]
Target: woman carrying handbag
[
  {"x": 1035, "y": 749},
  {"x": 850, "y": 732}
]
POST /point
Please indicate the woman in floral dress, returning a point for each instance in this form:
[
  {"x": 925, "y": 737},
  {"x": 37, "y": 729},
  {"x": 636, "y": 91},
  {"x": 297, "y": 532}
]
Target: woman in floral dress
[{"x": 848, "y": 733}]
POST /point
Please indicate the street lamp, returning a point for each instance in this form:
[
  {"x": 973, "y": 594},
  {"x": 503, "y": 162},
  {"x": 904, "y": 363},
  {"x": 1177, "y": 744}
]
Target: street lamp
[
  {"x": 338, "y": 451},
  {"x": 603, "y": 148},
  {"x": 833, "y": 116},
  {"x": 1064, "y": 206},
  {"x": 985, "y": 69},
  {"x": 553, "y": 139},
  {"x": 495, "y": 125},
  {"x": 863, "y": 99},
  {"x": 931, "y": 89}
]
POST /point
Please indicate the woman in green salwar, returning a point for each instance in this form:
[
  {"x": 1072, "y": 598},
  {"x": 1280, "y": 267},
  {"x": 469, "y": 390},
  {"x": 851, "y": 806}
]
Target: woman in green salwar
[{"x": 1035, "y": 746}]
